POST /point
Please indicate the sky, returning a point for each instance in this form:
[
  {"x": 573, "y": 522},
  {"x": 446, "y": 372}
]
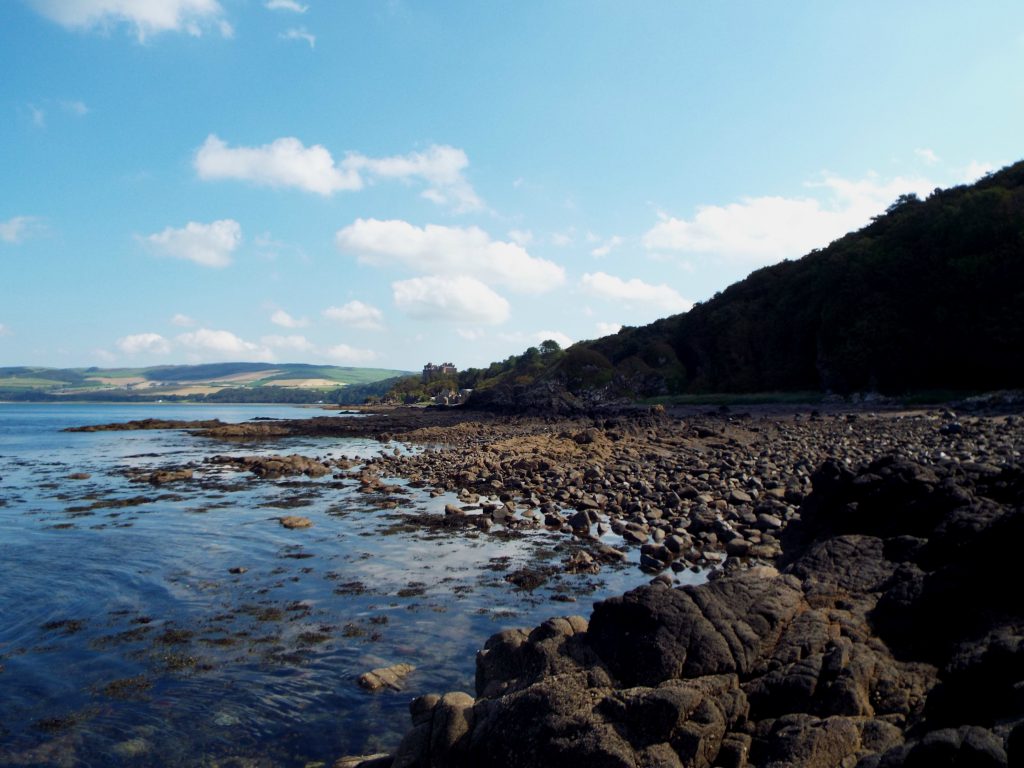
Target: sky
[{"x": 386, "y": 183}]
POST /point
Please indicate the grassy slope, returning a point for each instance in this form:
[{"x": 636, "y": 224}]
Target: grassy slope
[{"x": 78, "y": 379}]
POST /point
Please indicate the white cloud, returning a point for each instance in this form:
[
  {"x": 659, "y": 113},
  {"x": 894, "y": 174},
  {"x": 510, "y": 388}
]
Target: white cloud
[
  {"x": 636, "y": 292},
  {"x": 210, "y": 245},
  {"x": 287, "y": 162},
  {"x": 927, "y": 155},
  {"x": 76, "y": 107},
  {"x": 459, "y": 299},
  {"x": 147, "y": 17},
  {"x": 285, "y": 5},
  {"x": 521, "y": 237},
  {"x": 449, "y": 251},
  {"x": 358, "y": 315},
  {"x": 975, "y": 170},
  {"x": 144, "y": 343},
  {"x": 282, "y": 318},
  {"x": 440, "y": 166},
  {"x": 608, "y": 329},
  {"x": 563, "y": 239},
  {"x": 205, "y": 341},
  {"x": 283, "y": 163},
  {"x": 299, "y": 33},
  {"x": 183, "y": 321},
  {"x": 562, "y": 339},
  {"x": 17, "y": 229},
  {"x": 346, "y": 355},
  {"x": 607, "y": 247},
  {"x": 764, "y": 230},
  {"x": 293, "y": 343}
]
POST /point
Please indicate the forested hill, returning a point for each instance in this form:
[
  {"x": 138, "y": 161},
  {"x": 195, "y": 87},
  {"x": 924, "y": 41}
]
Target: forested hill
[{"x": 928, "y": 296}]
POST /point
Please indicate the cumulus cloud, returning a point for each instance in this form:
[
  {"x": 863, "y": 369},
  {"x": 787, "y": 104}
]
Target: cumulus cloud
[
  {"x": 182, "y": 321},
  {"x": 635, "y": 292},
  {"x": 292, "y": 343},
  {"x": 210, "y": 245},
  {"x": 607, "y": 247},
  {"x": 17, "y": 229},
  {"x": 440, "y": 250},
  {"x": 299, "y": 33},
  {"x": 287, "y": 162},
  {"x": 282, "y": 163},
  {"x": 763, "y": 230},
  {"x": 562, "y": 339},
  {"x": 358, "y": 315},
  {"x": 206, "y": 341},
  {"x": 608, "y": 329},
  {"x": 458, "y": 298},
  {"x": 975, "y": 170},
  {"x": 346, "y": 355},
  {"x": 282, "y": 318},
  {"x": 440, "y": 166},
  {"x": 285, "y": 5},
  {"x": 145, "y": 17},
  {"x": 144, "y": 343}
]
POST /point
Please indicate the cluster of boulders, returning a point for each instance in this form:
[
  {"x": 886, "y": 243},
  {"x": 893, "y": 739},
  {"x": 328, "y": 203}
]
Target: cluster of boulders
[
  {"x": 274, "y": 466},
  {"x": 690, "y": 491},
  {"x": 890, "y": 634}
]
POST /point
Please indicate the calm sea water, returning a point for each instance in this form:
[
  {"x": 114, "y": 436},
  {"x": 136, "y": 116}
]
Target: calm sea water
[{"x": 125, "y": 639}]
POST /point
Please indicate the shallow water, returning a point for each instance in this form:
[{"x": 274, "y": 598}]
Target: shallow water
[{"x": 126, "y": 640}]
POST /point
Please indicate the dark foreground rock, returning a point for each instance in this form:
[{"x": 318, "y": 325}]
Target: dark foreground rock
[{"x": 891, "y": 634}]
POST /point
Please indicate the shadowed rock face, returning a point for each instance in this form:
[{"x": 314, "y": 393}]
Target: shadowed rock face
[{"x": 893, "y": 635}]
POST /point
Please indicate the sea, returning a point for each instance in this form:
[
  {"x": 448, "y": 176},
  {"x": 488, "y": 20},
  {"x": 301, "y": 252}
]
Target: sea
[{"x": 183, "y": 625}]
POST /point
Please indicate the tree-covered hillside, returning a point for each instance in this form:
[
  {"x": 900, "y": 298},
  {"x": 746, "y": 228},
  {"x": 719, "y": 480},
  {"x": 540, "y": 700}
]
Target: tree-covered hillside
[{"x": 928, "y": 296}]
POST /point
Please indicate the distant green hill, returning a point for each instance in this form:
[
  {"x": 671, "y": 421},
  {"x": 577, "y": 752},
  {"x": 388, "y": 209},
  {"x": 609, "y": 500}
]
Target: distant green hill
[
  {"x": 217, "y": 382},
  {"x": 929, "y": 296}
]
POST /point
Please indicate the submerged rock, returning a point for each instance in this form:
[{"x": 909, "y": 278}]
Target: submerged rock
[{"x": 385, "y": 677}]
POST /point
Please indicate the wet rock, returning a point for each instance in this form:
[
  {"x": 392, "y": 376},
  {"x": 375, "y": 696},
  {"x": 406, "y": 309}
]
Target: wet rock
[
  {"x": 378, "y": 760},
  {"x": 295, "y": 521},
  {"x": 163, "y": 476},
  {"x": 385, "y": 677}
]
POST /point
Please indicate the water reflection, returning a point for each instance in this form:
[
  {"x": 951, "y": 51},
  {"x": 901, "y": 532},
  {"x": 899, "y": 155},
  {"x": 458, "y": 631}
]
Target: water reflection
[{"x": 183, "y": 625}]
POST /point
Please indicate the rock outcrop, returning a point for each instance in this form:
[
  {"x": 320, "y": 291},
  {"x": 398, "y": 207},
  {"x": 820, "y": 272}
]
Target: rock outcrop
[{"x": 892, "y": 634}]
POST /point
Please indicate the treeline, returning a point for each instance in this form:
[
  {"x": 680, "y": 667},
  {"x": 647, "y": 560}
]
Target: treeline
[{"x": 929, "y": 296}]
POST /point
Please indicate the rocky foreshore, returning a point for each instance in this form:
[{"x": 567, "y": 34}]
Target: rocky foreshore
[
  {"x": 863, "y": 608},
  {"x": 887, "y": 631}
]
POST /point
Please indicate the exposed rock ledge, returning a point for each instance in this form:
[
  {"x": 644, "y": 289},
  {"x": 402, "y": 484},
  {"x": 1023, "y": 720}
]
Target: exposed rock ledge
[{"x": 891, "y": 635}]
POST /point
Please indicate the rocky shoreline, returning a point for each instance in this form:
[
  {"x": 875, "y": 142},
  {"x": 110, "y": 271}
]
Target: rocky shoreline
[{"x": 863, "y": 610}]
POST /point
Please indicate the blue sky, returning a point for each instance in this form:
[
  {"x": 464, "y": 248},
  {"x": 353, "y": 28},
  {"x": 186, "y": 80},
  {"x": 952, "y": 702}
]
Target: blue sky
[{"x": 387, "y": 183}]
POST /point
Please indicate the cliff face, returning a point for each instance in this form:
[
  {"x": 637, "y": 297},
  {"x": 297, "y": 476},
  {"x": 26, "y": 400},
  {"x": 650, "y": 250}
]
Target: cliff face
[{"x": 929, "y": 296}]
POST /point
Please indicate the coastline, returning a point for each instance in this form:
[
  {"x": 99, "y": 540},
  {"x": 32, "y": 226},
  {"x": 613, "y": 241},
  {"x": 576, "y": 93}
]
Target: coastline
[{"x": 762, "y": 498}]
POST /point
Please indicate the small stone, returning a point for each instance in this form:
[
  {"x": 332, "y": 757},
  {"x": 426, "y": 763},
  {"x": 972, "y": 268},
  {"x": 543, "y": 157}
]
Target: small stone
[
  {"x": 736, "y": 496},
  {"x": 295, "y": 521},
  {"x": 238, "y": 569}
]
